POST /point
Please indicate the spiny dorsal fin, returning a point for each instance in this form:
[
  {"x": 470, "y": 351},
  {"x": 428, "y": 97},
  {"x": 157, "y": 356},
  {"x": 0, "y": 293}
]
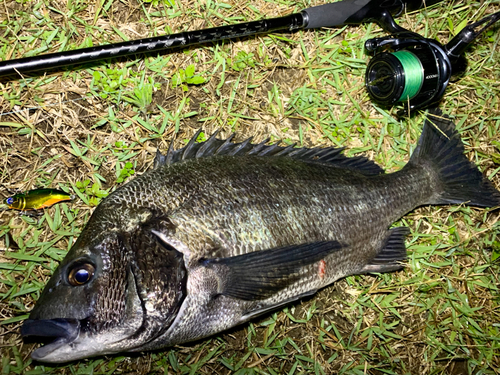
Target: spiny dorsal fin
[{"x": 213, "y": 146}]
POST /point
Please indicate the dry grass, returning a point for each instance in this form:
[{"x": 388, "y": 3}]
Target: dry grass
[{"x": 439, "y": 316}]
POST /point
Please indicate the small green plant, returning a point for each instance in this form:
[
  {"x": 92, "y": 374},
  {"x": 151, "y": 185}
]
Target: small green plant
[
  {"x": 116, "y": 123},
  {"x": 109, "y": 82},
  {"x": 202, "y": 137},
  {"x": 496, "y": 156},
  {"x": 120, "y": 144},
  {"x": 94, "y": 193},
  {"x": 242, "y": 61},
  {"x": 345, "y": 48},
  {"x": 496, "y": 251},
  {"x": 125, "y": 172},
  {"x": 142, "y": 95},
  {"x": 187, "y": 77},
  {"x": 490, "y": 35}
]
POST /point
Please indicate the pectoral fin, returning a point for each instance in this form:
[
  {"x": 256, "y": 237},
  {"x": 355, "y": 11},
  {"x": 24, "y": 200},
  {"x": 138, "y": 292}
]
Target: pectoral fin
[{"x": 258, "y": 275}]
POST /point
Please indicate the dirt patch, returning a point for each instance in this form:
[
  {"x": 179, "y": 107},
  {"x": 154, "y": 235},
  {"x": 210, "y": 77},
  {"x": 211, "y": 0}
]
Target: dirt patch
[{"x": 123, "y": 13}]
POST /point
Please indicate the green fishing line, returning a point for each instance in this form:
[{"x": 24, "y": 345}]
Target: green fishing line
[{"x": 414, "y": 74}]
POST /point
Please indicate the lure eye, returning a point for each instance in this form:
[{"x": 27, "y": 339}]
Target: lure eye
[
  {"x": 9, "y": 200},
  {"x": 81, "y": 274}
]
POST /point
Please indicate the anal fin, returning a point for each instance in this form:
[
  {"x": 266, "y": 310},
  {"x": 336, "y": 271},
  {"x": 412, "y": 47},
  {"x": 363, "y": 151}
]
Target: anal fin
[{"x": 391, "y": 255}]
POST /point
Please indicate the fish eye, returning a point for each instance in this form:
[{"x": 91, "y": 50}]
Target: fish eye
[
  {"x": 81, "y": 274},
  {"x": 9, "y": 200}
]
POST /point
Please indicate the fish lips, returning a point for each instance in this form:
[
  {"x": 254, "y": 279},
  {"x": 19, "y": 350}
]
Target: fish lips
[{"x": 64, "y": 331}]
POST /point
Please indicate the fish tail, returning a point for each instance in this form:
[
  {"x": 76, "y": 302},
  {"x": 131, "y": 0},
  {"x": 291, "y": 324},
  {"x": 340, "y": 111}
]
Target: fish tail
[{"x": 459, "y": 180}]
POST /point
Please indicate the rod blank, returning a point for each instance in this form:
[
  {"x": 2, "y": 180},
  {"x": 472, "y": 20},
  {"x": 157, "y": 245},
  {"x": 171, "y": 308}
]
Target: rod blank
[{"x": 149, "y": 45}]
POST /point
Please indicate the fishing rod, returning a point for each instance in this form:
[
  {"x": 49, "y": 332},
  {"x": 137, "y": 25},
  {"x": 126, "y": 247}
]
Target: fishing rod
[
  {"x": 347, "y": 12},
  {"x": 412, "y": 71}
]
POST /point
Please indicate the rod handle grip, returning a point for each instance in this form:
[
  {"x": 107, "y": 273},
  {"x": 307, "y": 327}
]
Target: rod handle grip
[
  {"x": 333, "y": 14},
  {"x": 355, "y": 12}
]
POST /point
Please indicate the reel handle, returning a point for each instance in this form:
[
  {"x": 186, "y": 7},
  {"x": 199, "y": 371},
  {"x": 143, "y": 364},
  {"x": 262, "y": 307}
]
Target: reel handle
[{"x": 466, "y": 36}]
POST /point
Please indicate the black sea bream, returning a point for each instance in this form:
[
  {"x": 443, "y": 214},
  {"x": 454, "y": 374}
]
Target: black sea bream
[{"x": 218, "y": 233}]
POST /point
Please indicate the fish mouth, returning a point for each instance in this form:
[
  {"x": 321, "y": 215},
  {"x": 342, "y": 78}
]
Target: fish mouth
[{"x": 61, "y": 331}]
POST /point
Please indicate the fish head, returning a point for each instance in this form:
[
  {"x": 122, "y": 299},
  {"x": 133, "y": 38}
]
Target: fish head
[
  {"x": 107, "y": 296},
  {"x": 14, "y": 202}
]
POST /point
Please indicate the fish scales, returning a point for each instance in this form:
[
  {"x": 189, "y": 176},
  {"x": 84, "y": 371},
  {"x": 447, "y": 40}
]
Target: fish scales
[
  {"x": 218, "y": 233},
  {"x": 269, "y": 207},
  {"x": 324, "y": 210}
]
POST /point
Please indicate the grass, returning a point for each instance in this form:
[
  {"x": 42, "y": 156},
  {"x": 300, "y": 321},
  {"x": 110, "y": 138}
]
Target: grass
[{"x": 89, "y": 129}]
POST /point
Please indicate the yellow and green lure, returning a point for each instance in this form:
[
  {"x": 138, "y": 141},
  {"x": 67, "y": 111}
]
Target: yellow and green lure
[{"x": 37, "y": 199}]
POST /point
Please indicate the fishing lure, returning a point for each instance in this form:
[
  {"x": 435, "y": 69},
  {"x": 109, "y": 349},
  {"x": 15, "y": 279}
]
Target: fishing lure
[{"x": 37, "y": 199}]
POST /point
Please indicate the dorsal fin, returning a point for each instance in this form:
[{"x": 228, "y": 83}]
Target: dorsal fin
[
  {"x": 190, "y": 152},
  {"x": 206, "y": 147},
  {"x": 213, "y": 146}
]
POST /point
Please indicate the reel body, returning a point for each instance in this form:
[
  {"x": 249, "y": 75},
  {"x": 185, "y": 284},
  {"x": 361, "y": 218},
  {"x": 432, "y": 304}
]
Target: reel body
[{"x": 410, "y": 70}]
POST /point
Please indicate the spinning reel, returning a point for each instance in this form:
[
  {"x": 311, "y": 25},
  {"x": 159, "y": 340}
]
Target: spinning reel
[
  {"x": 406, "y": 69},
  {"x": 414, "y": 71}
]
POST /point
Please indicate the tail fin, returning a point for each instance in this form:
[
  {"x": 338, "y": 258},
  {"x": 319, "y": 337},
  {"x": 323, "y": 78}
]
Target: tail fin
[{"x": 440, "y": 148}]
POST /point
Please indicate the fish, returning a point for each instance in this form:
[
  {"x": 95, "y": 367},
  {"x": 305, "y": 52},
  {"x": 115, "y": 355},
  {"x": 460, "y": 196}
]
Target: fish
[
  {"x": 220, "y": 232},
  {"x": 37, "y": 199}
]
